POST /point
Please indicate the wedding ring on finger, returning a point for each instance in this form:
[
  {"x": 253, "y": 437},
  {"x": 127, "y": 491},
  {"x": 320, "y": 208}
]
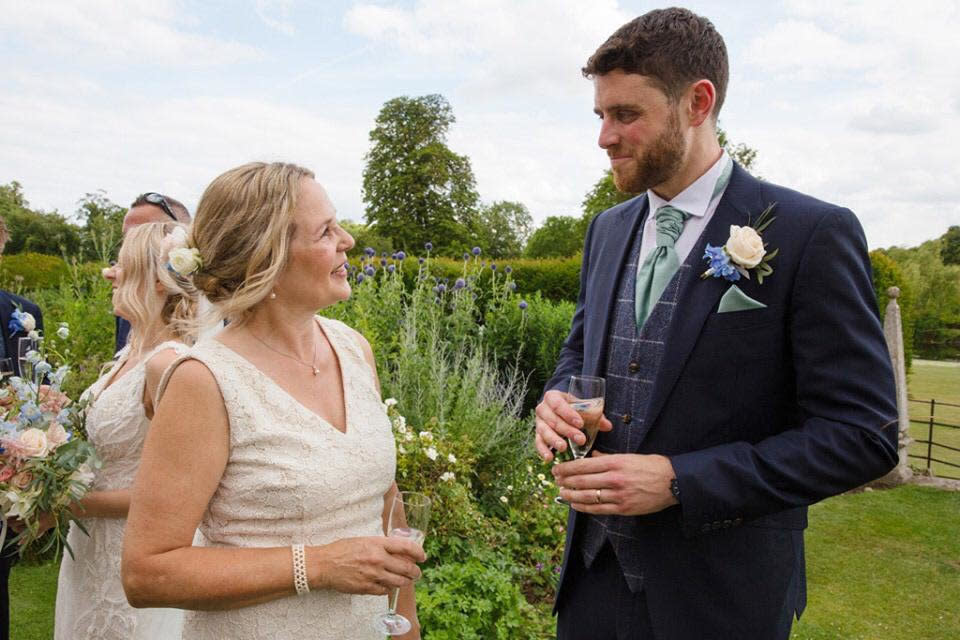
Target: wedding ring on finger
[{"x": 599, "y": 499}]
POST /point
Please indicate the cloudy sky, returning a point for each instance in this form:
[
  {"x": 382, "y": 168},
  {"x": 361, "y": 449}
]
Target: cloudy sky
[{"x": 854, "y": 102}]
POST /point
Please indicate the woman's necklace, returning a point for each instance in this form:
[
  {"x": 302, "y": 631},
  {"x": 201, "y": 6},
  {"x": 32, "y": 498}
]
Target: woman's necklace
[{"x": 313, "y": 365}]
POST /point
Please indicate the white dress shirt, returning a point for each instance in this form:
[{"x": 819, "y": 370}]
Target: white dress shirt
[{"x": 697, "y": 200}]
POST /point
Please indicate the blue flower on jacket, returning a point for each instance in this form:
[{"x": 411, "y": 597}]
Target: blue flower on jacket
[
  {"x": 17, "y": 319},
  {"x": 720, "y": 266}
]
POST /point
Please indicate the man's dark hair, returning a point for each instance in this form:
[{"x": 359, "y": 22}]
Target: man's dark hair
[
  {"x": 675, "y": 47},
  {"x": 182, "y": 213}
]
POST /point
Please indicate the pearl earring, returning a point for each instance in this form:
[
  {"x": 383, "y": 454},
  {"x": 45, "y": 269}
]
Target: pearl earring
[{"x": 273, "y": 296}]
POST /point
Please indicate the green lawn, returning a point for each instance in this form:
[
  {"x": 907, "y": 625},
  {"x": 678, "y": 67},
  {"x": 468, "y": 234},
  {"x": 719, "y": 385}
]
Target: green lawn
[
  {"x": 884, "y": 565},
  {"x": 940, "y": 381},
  {"x": 881, "y": 565}
]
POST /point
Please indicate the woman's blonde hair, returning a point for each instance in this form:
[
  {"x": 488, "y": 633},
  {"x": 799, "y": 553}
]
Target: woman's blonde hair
[
  {"x": 143, "y": 263},
  {"x": 242, "y": 229}
]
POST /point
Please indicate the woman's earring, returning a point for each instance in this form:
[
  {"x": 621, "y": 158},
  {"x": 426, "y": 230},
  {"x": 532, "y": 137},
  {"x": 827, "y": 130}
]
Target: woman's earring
[{"x": 273, "y": 295}]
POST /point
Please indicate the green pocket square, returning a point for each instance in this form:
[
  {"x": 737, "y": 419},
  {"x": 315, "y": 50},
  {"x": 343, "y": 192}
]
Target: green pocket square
[{"x": 736, "y": 300}]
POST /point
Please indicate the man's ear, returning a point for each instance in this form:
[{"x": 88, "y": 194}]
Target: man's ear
[{"x": 700, "y": 99}]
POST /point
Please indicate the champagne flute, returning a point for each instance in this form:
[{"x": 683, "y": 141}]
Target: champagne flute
[
  {"x": 25, "y": 346},
  {"x": 585, "y": 395},
  {"x": 409, "y": 516}
]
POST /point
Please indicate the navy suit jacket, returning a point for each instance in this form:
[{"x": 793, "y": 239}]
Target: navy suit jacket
[
  {"x": 8, "y": 303},
  {"x": 762, "y": 412}
]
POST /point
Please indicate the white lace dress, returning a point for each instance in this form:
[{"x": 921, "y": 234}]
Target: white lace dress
[
  {"x": 294, "y": 478},
  {"x": 90, "y": 599}
]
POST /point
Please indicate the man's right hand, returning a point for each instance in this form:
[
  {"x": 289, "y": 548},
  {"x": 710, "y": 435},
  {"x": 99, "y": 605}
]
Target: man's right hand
[{"x": 557, "y": 420}]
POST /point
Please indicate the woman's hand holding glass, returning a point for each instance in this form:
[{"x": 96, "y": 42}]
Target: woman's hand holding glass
[{"x": 372, "y": 566}]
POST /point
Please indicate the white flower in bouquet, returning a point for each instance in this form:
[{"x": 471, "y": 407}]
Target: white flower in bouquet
[
  {"x": 33, "y": 335},
  {"x": 34, "y": 443},
  {"x": 27, "y": 321}
]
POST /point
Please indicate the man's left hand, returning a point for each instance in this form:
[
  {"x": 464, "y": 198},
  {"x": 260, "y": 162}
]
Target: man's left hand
[{"x": 629, "y": 484}]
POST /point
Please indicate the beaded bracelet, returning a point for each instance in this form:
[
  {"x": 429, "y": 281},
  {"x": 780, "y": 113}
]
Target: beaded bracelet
[{"x": 300, "y": 570}]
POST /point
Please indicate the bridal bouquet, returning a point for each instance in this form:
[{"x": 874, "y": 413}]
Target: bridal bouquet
[{"x": 43, "y": 467}]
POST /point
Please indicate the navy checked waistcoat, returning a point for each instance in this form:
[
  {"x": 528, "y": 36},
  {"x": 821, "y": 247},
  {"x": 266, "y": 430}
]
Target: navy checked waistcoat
[{"x": 633, "y": 363}]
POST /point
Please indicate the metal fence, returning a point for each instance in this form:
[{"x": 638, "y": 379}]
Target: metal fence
[{"x": 935, "y": 451}]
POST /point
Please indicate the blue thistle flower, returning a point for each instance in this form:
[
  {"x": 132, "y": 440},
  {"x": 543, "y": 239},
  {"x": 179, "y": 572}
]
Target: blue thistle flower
[
  {"x": 383, "y": 262},
  {"x": 391, "y": 268},
  {"x": 442, "y": 287},
  {"x": 507, "y": 269},
  {"x": 359, "y": 278},
  {"x": 523, "y": 305},
  {"x": 459, "y": 284},
  {"x": 428, "y": 246},
  {"x": 421, "y": 260},
  {"x": 476, "y": 251},
  {"x": 512, "y": 285},
  {"x": 466, "y": 256},
  {"x": 370, "y": 252},
  {"x": 400, "y": 256},
  {"x": 493, "y": 266},
  {"x": 369, "y": 270}
]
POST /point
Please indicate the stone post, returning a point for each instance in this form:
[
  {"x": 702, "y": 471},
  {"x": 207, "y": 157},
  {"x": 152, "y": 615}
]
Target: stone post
[{"x": 893, "y": 332}]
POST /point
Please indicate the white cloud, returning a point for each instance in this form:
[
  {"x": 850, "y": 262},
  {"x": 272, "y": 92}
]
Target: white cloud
[
  {"x": 127, "y": 145},
  {"x": 276, "y": 15},
  {"x": 498, "y": 47},
  {"x": 132, "y": 32}
]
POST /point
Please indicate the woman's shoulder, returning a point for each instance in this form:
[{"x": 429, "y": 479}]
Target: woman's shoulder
[{"x": 347, "y": 335}]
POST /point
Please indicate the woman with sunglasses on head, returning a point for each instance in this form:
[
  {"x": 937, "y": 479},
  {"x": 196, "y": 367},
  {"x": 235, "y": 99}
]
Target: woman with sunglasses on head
[
  {"x": 161, "y": 309},
  {"x": 282, "y": 452}
]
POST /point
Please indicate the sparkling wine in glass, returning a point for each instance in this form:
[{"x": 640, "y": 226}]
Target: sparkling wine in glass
[
  {"x": 24, "y": 347},
  {"x": 585, "y": 395},
  {"x": 409, "y": 516}
]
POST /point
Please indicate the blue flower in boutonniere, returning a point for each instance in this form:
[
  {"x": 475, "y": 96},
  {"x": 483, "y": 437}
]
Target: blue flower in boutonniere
[
  {"x": 21, "y": 321},
  {"x": 743, "y": 251}
]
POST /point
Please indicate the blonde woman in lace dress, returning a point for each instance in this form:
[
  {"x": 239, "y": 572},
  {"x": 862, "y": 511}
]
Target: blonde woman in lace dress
[
  {"x": 90, "y": 599},
  {"x": 283, "y": 453}
]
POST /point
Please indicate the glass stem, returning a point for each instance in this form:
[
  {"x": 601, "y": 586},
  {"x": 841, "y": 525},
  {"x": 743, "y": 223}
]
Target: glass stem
[{"x": 394, "y": 599}]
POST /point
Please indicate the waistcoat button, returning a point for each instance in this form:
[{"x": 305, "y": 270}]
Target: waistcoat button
[
  {"x": 627, "y": 418},
  {"x": 634, "y": 367}
]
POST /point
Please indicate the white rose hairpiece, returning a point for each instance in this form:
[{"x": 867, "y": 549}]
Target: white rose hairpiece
[{"x": 182, "y": 260}]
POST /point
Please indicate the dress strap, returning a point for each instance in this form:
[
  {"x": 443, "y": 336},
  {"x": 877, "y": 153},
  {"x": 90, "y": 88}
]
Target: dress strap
[{"x": 178, "y": 347}]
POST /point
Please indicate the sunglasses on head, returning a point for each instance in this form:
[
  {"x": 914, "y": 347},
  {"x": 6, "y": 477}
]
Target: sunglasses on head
[{"x": 157, "y": 199}]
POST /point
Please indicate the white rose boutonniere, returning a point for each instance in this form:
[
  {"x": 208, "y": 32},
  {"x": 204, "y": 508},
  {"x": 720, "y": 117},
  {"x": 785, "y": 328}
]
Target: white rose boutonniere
[
  {"x": 744, "y": 250},
  {"x": 185, "y": 261}
]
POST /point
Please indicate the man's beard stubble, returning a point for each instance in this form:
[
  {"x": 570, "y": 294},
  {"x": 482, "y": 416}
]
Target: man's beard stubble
[{"x": 658, "y": 164}]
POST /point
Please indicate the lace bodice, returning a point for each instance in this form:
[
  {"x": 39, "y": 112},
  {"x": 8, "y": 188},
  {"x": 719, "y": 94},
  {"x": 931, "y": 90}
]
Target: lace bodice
[
  {"x": 90, "y": 599},
  {"x": 291, "y": 477}
]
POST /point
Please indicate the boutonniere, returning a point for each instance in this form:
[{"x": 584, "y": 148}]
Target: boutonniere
[{"x": 743, "y": 251}]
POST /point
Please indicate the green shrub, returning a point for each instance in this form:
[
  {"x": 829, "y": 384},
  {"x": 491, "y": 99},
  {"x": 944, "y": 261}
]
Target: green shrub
[
  {"x": 26, "y": 271},
  {"x": 477, "y": 599}
]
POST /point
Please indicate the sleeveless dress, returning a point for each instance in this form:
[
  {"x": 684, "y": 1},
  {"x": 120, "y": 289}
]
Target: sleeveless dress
[
  {"x": 291, "y": 477},
  {"x": 90, "y": 599}
]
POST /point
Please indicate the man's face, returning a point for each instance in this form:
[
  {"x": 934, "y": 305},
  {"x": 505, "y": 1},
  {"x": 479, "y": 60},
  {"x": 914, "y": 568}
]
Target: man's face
[
  {"x": 142, "y": 214},
  {"x": 640, "y": 131}
]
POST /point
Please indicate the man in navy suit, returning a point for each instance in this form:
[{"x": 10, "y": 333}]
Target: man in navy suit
[
  {"x": 148, "y": 207},
  {"x": 9, "y": 303},
  {"x": 734, "y": 398}
]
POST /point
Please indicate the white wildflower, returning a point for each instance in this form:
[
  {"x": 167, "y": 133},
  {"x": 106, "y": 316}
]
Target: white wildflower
[
  {"x": 390, "y": 402},
  {"x": 452, "y": 459},
  {"x": 509, "y": 487},
  {"x": 447, "y": 477},
  {"x": 426, "y": 436},
  {"x": 541, "y": 477},
  {"x": 503, "y": 499},
  {"x": 63, "y": 333},
  {"x": 431, "y": 453}
]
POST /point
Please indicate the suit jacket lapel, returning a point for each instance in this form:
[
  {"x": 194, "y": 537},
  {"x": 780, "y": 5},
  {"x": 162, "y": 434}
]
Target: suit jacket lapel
[
  {"x": 9, "y": 341},
  {"x": 699, "y": 297},
  {"x": 606, "y": 270}
]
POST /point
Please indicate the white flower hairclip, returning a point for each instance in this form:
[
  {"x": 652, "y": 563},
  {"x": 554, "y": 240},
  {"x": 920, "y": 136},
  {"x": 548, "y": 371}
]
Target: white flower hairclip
[{"x": 181, "y": 259}]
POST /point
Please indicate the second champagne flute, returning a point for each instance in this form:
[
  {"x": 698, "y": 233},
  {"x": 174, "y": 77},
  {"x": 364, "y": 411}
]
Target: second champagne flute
[
  {"x": 585, "y": 395},
  {"x": 409, "y": 516}
]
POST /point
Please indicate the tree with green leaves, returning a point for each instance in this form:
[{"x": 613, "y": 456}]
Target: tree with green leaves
[
  {"x": 416, "y": 189},
  {"x": 502, "y": 228},
  {"x": 35, "y": 231},
  {"x": 950, "y": 246},
  {"x": 557, "y": 237},
  {"x": 103, "y": 226}
]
